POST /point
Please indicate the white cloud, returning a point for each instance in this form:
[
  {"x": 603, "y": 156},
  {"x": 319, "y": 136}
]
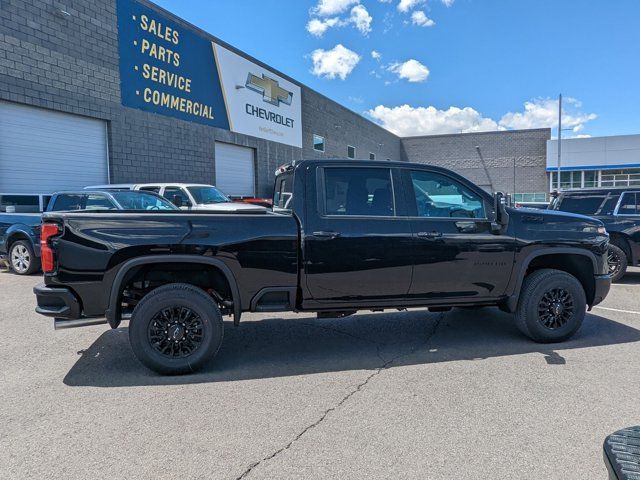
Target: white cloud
[
  {"x": 326, "y": 8},
  {"x": 406, "y": 5},
  {"x": 411, "y": 70},
  {"x": 337, "y": 62},
  {"x": 317, "y": 27},
  {"x": 448, "y": 3},
  {"x": 376, "y": 55},
  {"x": 543, "y": 112},
  {"x": 419, "y": 18},
  {"x": 361, "y": 19},
  {"x": 407, "y": 121}
]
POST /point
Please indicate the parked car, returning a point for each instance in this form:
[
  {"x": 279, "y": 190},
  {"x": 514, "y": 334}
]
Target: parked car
[
  {"x": 190, "y": 196},
  {"x": 20, "y": 232},
  {"x": 343, "y": 236},
  {"x": 619, "y": 210}
]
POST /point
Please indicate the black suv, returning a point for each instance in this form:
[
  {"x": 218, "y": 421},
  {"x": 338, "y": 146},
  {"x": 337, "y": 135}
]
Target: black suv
[{"x": 619, "y": 210}]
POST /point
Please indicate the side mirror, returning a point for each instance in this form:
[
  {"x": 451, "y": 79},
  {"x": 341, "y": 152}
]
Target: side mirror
[
  {"x": 177, "y": 200},
  {"x": 501, "y": 219}
]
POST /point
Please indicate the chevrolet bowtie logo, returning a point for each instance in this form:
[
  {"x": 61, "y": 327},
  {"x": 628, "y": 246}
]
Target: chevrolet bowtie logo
[{"x": 271, "y": 92}]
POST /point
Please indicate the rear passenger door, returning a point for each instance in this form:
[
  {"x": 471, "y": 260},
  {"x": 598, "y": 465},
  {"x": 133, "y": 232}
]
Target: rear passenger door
[
  {"x": 355, "y": 240},
  {"x": 456, "y": 255}
]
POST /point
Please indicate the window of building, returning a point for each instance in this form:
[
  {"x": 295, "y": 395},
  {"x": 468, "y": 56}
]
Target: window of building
[
  {"x": 358, "y": 191},
  {"x": 538, "y": 197},
  {"x": 441, "y": 197},
  {"x": 620, "y": 178},
  {"x": 372, "y": 156},
  {"x": 590, "y": 179},
  {"x": 351, "y": 151},
  {"x": 318, "y": 143}
]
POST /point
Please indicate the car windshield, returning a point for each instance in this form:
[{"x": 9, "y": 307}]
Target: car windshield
[
  {"x": 588, "y": 203},
  {"x": 142, "y": 201},
  {"x": 206, "y": 195}
]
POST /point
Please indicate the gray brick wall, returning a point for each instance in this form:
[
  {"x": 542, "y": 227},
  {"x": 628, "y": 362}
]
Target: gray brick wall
[{"x": 488, "y": 158}]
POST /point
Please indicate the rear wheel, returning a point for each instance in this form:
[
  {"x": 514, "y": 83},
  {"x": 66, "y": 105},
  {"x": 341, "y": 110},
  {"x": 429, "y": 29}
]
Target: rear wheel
[
  {"x": 551, "y": 307},
  {"x": 176, "y": 329},
  {"x": 618, "y": 262},
  {"x": 22, "y": 259}
]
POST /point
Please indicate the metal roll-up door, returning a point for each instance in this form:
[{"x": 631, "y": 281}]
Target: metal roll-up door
[
  {"x": 43, "y": 151},
  {"x": 235, "y": 170}
]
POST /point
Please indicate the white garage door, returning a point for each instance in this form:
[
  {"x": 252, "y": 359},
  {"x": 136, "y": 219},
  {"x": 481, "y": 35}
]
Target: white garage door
[
  {"x": 235, "y": 170},
  {"x": 42, "y": 151}
]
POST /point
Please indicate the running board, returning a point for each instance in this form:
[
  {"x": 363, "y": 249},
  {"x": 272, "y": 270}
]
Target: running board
[{"x": 62, "y": 323}]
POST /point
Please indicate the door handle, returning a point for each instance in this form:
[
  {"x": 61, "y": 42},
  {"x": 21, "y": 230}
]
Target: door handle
[
  {"x": 429, "y": 234},
  {"x": 326, "y": 235}
]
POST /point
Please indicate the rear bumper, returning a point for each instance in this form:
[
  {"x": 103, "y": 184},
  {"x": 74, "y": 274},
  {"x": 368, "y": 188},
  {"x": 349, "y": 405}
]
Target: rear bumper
[
  {"x": 602, "y": 286},
  {"x": 63, "y": 305}
]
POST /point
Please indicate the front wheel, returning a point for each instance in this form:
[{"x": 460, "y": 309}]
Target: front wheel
[
  {"x": 176, "y": 329},
  {"x": 617, "y": 260},
  {"x": 551, "y": 307}
]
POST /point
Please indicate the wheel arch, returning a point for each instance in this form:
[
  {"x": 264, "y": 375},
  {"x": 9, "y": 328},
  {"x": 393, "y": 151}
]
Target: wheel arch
[
  {"x": 622, "y": 240},
  {"x": 130, "y": 267},
  {"x": 580, "y": 263}
]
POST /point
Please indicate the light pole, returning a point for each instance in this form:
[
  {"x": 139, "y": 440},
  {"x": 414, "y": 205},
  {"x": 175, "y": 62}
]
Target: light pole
[{"x": 559, "y": 136}]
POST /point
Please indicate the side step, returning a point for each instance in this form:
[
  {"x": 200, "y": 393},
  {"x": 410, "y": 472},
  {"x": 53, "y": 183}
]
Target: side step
[{"x": 62, "y": 323}]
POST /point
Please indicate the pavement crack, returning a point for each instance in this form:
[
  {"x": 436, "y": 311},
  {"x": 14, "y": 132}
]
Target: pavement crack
[{"x": 385, "y": 365}]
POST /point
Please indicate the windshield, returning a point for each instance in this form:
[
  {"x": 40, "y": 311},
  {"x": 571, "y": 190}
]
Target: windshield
[
  {"x": 142, "y": 201},
  {"x": 207, "y": 195},
  {"x": 588, "y": 203}
]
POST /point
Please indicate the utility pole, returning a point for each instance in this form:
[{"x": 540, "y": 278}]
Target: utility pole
[{"x": 559, "y": 136}]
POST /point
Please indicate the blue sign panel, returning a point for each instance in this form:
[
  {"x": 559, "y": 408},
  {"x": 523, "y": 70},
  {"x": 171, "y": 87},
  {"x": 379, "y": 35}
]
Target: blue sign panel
[{"x": 166, "y": 68}]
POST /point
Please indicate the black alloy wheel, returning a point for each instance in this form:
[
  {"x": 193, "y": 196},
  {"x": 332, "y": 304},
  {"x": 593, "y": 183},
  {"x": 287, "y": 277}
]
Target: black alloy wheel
[
  {"x": 176, "y": 332},
  {"x": 555, "y": 308}
]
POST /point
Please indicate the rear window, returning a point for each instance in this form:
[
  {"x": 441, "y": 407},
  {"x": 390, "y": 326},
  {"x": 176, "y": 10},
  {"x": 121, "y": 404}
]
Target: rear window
[
  {"x": 142, "y": 201},
  {"x": 20, "y": 203},
  {"x": 589, "y": 203}
]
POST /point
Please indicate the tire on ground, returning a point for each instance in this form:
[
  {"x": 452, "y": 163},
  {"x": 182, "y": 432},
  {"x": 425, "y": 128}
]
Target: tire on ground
[
  {"x": 33, "y": 263},
  {"x": 535, "y": 286},
  {"x": 620, "y": 253},
  {"x": 166, "y": 297}
]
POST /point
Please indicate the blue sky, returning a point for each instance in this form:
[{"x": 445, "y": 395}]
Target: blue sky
[{"x": 491, "y": 63}]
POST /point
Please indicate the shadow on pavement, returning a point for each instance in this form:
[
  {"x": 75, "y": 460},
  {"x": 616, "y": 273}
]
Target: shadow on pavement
[
  {"x": 632, "y": 277},
  {"x": 285, "y": 347}
]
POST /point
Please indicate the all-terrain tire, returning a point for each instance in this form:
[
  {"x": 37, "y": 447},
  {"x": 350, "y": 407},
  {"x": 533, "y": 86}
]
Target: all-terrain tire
[
  {"x": 551, "y": 307},
  {"x": 176, "y": 329},
  {"x": 617, "y": 255}
]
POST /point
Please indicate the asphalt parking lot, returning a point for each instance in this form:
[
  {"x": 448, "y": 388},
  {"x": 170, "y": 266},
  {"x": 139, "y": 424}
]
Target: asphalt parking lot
[{"x": 405, "y": 395}]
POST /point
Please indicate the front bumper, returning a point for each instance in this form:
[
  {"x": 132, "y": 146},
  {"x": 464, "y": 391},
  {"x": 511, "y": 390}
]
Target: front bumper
[
  {"x": 602, "y": 286},
  {"x": 63, "y": 305}
]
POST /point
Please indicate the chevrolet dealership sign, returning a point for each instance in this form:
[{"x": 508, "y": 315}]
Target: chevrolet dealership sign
[{"x": 168, "y": 69}]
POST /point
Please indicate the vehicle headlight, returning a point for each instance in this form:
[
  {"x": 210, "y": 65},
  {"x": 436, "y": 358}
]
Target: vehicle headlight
[
  {"x": 593, "y": 229},
  {"x": 602, "y": 230}
]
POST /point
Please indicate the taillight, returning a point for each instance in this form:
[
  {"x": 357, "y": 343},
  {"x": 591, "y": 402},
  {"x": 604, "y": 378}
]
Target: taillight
[{"x": 48, "y": 231}]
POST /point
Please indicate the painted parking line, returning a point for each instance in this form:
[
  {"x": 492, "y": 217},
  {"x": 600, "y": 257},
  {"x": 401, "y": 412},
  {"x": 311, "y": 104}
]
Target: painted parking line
[{"x": 617, "y": 310}]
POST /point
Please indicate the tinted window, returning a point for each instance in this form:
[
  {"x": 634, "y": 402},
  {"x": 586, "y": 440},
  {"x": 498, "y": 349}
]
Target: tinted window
[
  {"x": 207, "y": 195},
  {"x": 358, "y": 191},
  {"x": 628, "y": 204},
  {"x": 142, "y": 201},
  {"x": 588, "y": 203},
  {"x": 98, "y": 202},
  {"x": 150, "y": 189},
  {"x": 283, "y": 192},
  {"x": 20, "y": 203},
  {"x": 170, "y": 193},
  {"x": 68, "y": 202},
  {"x": 440, "y": 196}
]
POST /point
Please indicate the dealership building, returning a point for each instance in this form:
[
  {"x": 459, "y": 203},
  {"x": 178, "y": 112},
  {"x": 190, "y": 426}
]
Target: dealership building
[{"x": 122, "y": 91}]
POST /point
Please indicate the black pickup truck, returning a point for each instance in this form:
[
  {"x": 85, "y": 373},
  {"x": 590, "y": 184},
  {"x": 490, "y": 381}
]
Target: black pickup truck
[{"x": 343, "y": 236}]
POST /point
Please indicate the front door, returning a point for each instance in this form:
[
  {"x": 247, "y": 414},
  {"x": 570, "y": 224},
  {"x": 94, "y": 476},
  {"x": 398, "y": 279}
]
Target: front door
[
  {"x": 356, "y": 245},
  {"x": 455, "y": 253}
]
